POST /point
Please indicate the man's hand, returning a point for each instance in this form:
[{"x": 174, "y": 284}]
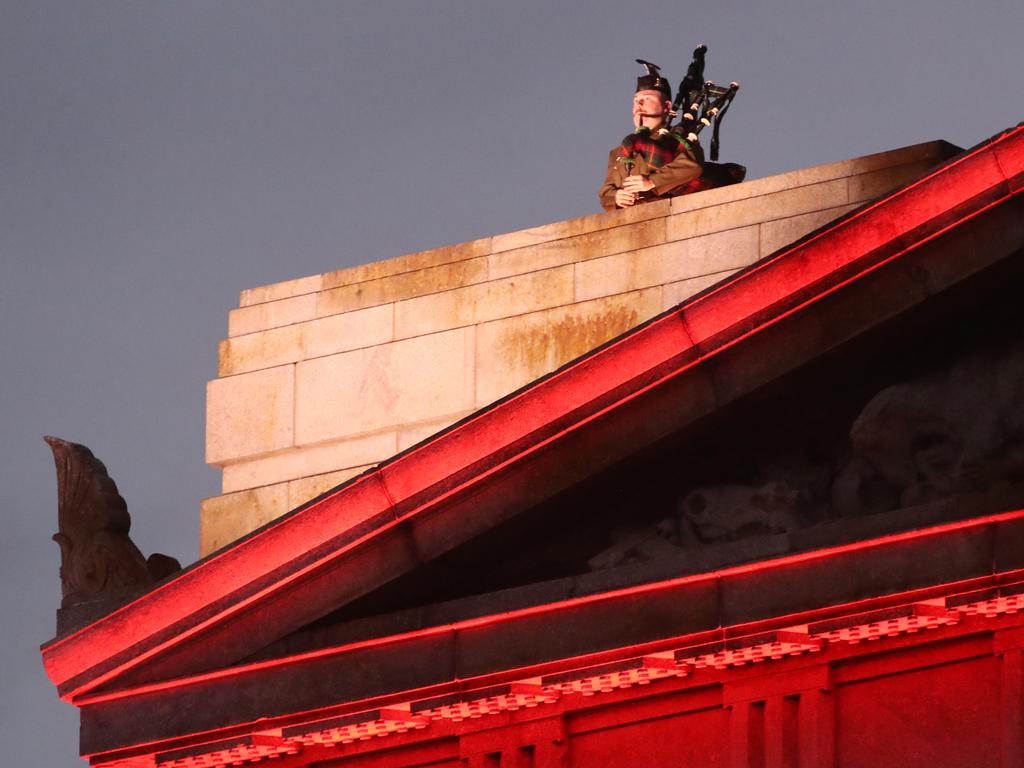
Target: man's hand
[
  {"x": 624, "y": 199},
  {"x": 631, "y": 189},
  {"x": 636, "y": 184}
]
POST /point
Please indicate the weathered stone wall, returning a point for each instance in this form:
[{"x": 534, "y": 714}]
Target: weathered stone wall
[{"x": 324, "y": 376}]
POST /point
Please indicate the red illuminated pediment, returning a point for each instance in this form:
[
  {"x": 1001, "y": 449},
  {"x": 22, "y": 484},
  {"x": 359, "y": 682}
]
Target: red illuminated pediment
[{"x": 247, "y": 623}]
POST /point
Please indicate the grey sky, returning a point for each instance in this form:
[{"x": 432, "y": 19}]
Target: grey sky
[{"x": 156, "y": 158}]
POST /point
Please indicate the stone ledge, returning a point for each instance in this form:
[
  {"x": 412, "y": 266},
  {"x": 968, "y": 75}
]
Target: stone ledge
[
  {"x": 282, "y": 290},
  {"x": 933, "y": 152},
  {"x": 302, "y": 461},
  {"x": 406, "y": 285},
  {"x": 412, "y": 262},
  {"x": 306, "y": 340},
  {"x": 575, "y": 248},
  {"x": 272, "y": 314},
  {"x": 928, "y": 153},
  {"x": 588, "y": 237}
]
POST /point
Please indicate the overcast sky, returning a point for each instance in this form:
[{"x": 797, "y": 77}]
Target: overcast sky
[{"x": 157, "y": 158}]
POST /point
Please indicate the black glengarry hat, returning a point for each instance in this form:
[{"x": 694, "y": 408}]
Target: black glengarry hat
[{"x": 653, "y": 81}]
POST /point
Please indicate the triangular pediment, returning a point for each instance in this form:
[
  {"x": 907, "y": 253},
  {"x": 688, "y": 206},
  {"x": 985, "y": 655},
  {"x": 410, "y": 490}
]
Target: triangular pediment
[
  {"x": 913, "y": 423},
  {"x": 543, "y": 481}
]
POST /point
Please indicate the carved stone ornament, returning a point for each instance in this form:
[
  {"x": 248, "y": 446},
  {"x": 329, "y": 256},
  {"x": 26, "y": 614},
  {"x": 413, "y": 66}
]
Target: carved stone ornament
[
  {"x": 98, "y": 559},
  {"x": 955, "y": 430}
]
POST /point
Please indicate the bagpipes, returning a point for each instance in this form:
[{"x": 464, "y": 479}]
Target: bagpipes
[
  {"x": 703, "y": 101},
  {"x": 699, "y": 104}
]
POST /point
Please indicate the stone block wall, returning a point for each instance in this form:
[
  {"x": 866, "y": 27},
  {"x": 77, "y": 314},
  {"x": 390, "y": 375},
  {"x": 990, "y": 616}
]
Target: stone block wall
[{"x": 327, "y": 375}]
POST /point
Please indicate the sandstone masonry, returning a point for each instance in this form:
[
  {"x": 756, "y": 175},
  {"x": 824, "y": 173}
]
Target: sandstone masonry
[{"x": 325, "y": 376}]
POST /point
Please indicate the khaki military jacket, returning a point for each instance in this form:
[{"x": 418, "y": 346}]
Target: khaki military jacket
[{"x": 686, "y": 167}]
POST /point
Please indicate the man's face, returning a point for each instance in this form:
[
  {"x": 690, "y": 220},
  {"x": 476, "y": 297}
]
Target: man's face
[{"x": 650, "y": 108}]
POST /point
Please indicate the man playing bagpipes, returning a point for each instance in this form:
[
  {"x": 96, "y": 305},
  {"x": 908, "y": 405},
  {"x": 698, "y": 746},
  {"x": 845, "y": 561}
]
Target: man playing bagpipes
[{"x": 659, "y": 160}]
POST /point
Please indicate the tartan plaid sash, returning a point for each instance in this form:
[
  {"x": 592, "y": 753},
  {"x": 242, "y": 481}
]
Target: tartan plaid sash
[{"x": 656, "y": 151}]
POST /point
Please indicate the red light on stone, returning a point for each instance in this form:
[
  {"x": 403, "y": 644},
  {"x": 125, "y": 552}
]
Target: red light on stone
[
  {"x": 487, "y": 701},
  {"x": 360, "y": 727},
  {"x": 604, "y": 678},
  {"x": 609, "y": 677},
  {"x": 904, "y": 619},
  {"x": 251, "y": 749},
  {"x": 753, "y": 649},
  {"x": 1008, "y": 599}
]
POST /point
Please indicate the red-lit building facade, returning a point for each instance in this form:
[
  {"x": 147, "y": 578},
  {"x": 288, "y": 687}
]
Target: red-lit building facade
[{"x": 781, "y": 524}]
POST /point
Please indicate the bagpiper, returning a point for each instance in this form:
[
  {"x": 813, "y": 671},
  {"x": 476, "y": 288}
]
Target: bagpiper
[{"x": 658, "y": 160}]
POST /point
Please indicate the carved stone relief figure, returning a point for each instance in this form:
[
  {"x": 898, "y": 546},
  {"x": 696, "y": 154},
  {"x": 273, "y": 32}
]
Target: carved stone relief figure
[
  {"x": 956, "y": 430},
  {"x": 729, "y": 512},
  {"x": 98, "y": 558},
  {"x": 715, "y": 513}
]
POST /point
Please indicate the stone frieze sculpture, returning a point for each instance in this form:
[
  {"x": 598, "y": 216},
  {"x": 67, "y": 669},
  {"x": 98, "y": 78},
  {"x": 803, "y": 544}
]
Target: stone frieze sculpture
[
  {"x": 98, "y": 558},
  {"x": 955, "y": 430}
]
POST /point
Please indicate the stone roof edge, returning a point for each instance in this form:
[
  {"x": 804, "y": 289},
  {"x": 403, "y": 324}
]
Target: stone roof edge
[{"x": 500, "y": 243}]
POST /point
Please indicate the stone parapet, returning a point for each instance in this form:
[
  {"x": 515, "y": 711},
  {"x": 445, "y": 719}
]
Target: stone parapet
[{"x": 327, "y": 375}]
